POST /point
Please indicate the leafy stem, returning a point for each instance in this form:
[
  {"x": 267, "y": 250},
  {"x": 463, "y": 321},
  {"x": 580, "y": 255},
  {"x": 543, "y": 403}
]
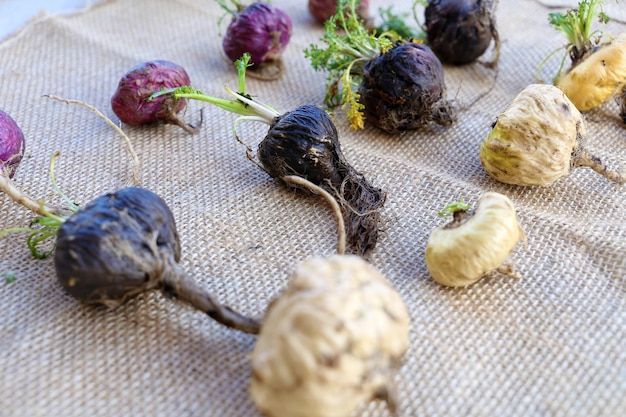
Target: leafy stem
[
  {"x": 47, "y": 224},
  {"x": 396, "y": 23},
  {"x": 576, "y": 25},
  {"x": 421, "y": 4},
  {"x": 237, "y": 7},
  {"x": 39, "y": 230},
  {"x": 545, "y": 60},
  {"x": 349, "y": 46},
  {"x": 243, "y": 103},
  {"x": 242, "y": 64}
]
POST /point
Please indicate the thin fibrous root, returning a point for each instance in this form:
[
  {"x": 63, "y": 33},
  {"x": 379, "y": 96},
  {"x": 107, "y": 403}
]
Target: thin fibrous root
[
  {"x": 341, "y": 229},
  {"x": 17, "y": 195},
  {"x": 584, "y": 158},
  {"x": 136, "y": 167}
]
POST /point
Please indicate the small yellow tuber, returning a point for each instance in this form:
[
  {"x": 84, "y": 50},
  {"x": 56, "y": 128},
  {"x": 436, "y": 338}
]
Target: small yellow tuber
[
  {"x": 597, "y": 78},
  {"x": 330, "y": 342},
  {"x": 475, "y": 243},
  {"x": 538, "y": 140},
  {"x": 598, "y": 69}
]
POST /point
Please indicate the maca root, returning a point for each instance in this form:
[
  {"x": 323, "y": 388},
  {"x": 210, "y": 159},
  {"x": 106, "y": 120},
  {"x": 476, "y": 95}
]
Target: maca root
[{"x": 413, "y": 98}]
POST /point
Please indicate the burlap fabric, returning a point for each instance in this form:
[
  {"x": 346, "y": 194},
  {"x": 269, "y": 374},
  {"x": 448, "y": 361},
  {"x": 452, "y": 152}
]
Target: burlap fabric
[{"x": 552, "y": 343}]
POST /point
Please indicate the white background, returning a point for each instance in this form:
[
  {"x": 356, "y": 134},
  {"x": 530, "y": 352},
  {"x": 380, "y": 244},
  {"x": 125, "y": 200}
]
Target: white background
[{"x": 15, "y": 13}]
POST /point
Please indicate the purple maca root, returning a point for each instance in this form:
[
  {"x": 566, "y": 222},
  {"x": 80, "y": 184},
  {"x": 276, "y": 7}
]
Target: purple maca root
[
  {"x": 130, "y": 103},
  {"x": 322, "y": 10},
  {"x": 260, "y": 29},
  {"x": 12, "y": 145}
]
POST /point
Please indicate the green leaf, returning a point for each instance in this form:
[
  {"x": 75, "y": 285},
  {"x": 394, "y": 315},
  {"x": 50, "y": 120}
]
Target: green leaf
[
  {"x": 454, "y": 207},
  {"x": 576, "y": 24},
  {"x": 349, "y": 45},
  {"x": 9, "y": 278},
  {"x": 396, "y": 24},
  {"x": 45, "y": 227}
]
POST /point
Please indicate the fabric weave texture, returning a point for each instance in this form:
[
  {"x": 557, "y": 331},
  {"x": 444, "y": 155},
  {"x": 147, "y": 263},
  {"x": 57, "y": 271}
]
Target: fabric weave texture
[{"x": 552, "y": 343}]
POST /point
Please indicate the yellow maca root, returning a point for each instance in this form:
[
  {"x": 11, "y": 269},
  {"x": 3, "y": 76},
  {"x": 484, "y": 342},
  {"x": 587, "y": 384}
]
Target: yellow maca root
[
  {"x": 538, "y": 140},
  {"x": 533, "y": 139},
  {"x": 599, "y": 77},
  {"x": 462, "y": 252}
]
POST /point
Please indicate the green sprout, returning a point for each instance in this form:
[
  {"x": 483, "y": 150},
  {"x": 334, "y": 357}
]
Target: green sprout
[
  {"x": 349, "y": 46},
  {"x": 576, "y": 25},
  {"x": 237, "y": 7},
  {"x": 396, "y": 23},
  {"x": 9, "y": 277},
  {"x": 243, "y": 104},
  {"x": 46, "y": 226},
  {"x": 454, "y": 207}
]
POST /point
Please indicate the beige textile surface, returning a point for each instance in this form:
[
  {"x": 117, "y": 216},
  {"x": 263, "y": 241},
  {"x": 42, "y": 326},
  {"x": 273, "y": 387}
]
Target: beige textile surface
[{"x": 550, "y": 344}]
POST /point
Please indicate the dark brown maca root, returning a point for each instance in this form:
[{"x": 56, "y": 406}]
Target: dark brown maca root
[
  {"x": 460, "y": 32},
  {"x": 184, "y": 288},
  {"x": 360, "y": 203},
  {"x": 125, "y": 243},
  {"x": 304, "y": 142},
  {"x": 410, "y": 99}
]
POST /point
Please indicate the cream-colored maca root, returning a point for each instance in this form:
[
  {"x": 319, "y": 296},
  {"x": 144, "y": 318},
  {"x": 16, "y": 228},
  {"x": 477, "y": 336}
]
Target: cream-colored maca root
[
  {"x": 537, "y": 140},
  {"x": 533, "y": 140},
  {"x": 475, "y": 243},
  {"x": 599, "y": 77},
  {"x": 331, "y": 342}
]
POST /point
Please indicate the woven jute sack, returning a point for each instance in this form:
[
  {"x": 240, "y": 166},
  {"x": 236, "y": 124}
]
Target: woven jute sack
[{"x": 551, "y": 343}]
